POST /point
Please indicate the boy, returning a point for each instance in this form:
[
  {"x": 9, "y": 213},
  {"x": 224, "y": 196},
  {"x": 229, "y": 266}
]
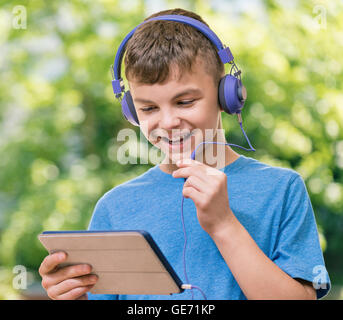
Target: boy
[{"x": 251, "y": 228}]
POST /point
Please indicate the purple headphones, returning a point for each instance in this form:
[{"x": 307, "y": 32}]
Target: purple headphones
[{"x": 231, "y": 92}]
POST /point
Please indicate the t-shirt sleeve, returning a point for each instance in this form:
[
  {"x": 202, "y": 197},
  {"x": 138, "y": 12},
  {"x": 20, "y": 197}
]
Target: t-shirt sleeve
[
  {"x": 297, "y": 250},
  {"x": 100, "y": 221}
]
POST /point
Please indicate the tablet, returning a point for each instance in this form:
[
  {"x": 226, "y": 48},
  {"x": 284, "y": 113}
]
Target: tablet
[{"x": 126, "y": 262}]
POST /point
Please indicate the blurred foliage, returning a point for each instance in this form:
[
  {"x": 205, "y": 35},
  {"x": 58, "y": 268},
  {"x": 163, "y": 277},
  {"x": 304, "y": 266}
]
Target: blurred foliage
[{"x": 59, "y": 119}]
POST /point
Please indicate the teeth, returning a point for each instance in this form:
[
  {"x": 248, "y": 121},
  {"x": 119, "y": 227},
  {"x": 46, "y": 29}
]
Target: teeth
[{"x": 177, "y": 140}]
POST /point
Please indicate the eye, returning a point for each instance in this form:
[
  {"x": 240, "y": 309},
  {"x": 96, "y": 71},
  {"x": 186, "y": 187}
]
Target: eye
[
  {"x": 185, "y": 102},
  {"x": 147, "y": 109}
]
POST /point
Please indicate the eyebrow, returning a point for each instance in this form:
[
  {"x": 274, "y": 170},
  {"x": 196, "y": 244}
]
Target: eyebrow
[{"x": 178, "y": 95}]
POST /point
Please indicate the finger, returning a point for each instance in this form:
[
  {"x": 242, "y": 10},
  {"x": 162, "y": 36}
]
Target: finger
[
  {"x": 192, "y": 193},
  {"x": 205, "y": 169},
  {"x": 68, "y": 285},
  {"x": 76, "y": 293},
  {"x": 51, "y": 262},
  {"x": 65, "y": 273},
  {"x": 191, "y": 171},
  {"x": 197, "y": 183}
]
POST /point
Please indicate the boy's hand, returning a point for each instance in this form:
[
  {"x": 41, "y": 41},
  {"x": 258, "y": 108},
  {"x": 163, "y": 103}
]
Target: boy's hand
[
  {"x": 67, "y": 283},
  {"x": 207, "y": 187}
]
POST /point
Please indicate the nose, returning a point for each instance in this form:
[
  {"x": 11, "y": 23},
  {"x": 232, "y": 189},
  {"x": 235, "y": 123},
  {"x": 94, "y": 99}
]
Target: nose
[{"x": 169, "y": 119}]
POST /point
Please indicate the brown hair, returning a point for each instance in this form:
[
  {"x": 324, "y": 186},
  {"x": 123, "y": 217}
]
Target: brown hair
[{"x": 157, "y": 45}]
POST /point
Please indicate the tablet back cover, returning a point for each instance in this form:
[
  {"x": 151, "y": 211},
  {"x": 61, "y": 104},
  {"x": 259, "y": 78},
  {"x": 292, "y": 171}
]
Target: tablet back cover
[{"x": 124, "y": 261}]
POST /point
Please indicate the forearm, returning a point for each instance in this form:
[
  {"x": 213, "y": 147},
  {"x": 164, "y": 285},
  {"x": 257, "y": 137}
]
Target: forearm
[{"x": 257, "y": 275}]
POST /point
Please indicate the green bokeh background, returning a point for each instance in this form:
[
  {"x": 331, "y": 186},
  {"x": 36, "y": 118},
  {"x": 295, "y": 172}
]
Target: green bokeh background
[{"x": 59, "y": 119}]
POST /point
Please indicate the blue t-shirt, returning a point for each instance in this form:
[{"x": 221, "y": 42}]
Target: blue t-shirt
[{"x": 272, "y": 204}]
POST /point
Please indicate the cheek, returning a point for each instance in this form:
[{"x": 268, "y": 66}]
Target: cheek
[
  {"x": 146, "y": 133},
  {"x": 146, "y": 128},
  {"x": 151, "y": 134},
  {"x": 207, "y": 114}
]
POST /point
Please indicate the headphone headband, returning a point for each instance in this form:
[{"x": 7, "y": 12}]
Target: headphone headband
[{"x": 223, "y": 51}]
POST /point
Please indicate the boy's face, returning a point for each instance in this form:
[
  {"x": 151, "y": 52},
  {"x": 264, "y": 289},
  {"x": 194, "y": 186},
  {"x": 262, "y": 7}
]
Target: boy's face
[{"x": 182, "y": 106}]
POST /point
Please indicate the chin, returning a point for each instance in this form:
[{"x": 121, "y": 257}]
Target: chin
[{"x": 172, "y": 159}]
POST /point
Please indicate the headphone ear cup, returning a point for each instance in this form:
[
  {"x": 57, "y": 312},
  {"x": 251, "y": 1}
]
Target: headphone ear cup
[
  {"x": 228, "y": 94},
  {"x": 128, "y": 109}
]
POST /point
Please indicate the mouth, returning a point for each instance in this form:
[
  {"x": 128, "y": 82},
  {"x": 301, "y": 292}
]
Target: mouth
[{"x": 175, "y": 141}]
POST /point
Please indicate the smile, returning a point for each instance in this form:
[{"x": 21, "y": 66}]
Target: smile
[
  {"x": 176, "y": 141},
  {"x": 176, "y": 145}
]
